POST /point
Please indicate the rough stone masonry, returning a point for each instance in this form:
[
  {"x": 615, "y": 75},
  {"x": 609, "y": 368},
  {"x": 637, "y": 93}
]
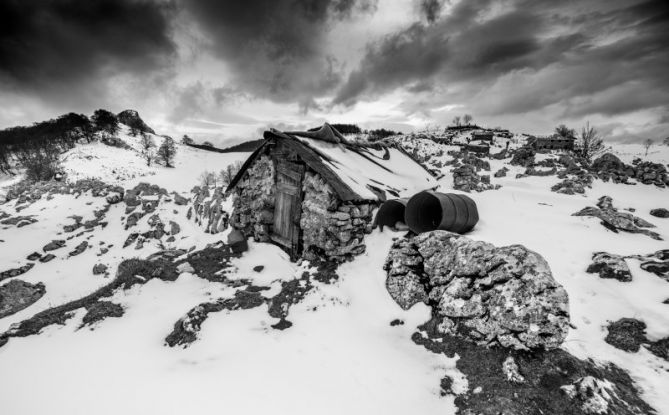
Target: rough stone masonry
[{"x": 492, "y": 295}]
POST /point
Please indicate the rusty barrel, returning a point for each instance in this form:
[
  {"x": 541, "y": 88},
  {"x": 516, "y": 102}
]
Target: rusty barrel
[
  {"x": 429, "y": 211},
  {"x": 390, "y": 212}
]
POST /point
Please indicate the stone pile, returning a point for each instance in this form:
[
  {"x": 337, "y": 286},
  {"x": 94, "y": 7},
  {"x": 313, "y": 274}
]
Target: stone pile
[
  {"x": 466, "y": 178},
  {"x": 491, "y": 295}
]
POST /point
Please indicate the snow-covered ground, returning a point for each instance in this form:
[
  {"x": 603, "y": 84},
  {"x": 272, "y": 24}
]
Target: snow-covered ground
[{"x": 341, "y": 355}]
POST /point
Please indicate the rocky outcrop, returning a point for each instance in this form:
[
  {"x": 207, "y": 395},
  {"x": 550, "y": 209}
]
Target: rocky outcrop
[
  {"x": 15, "y": 272},
  {"x": 609, "y": 167},
  {"x": 610, "y": 266},
  {"x": 330, "y": 229},
  {"x": 505, "y": 296},
  {"x": 253, "y": 206},
  {"x": 626, "y": 334},
  {"x": 100, "y": 310},
  {"x": 27, "y": 192},
  {"x": 501, "y": 172},
  {"x": 131, "y": 119},
  {"x": 593, "y": 396},
  {"x": 614, "y": 220},
  {"x": 17, "y": 295}
]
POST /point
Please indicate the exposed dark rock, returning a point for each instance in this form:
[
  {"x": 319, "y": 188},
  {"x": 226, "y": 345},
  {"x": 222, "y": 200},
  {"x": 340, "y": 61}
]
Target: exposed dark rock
[
  {"x": 174, "y": 228},
  {"x": 609, "y": 167},
  {"x": 659, "y": 268},
  {"x": 259, "y": 268},
  {"x": 179, "y": 200},
  {"x": 53, "y": 245},
  {"x": 47, "y": 258},
  {"x": 130, "y": 239},
  {"x": 15, "y": 272},
  {"x": 397, "y": 322},
  {"x": 292, "y": 292},
  {"x": 209, "y": 263},
  {"x": 186, "y": 328},
  {"x": 523, "y": 156},
  {"x": 283, "y": 324},
  {"x": 34, "y": 256},
  {"x": 100, "y": 310},
  {"x": 79, "y": 248},
  {"x": 627, "y": 334},
  {"x": 610, "y": 266},
  {"x": 614, "y": 220},
  {"x": 501, "y": 172},
  {"x": 548, "y": 379},
  {"x": 114, "y": 198},
  {"x": 490, "y": 295},
  {"x": 99, "y": 269},
  {"x": 660, "y": 213},
  {"x": 237, "y": 242},
  {"x": 132, "y": 119},
  {"x": 466, "y": 179},
  {"x": 17, "y": 295},
  {"x": 660, "y": 348}
]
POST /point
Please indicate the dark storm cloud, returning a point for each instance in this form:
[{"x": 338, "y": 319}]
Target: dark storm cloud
[
  {"x": 276, "y": 49},
  {"x": 62, "y": 44},
  {"x": 431, "y": 9},
  {"x": 530, "y": 54}
]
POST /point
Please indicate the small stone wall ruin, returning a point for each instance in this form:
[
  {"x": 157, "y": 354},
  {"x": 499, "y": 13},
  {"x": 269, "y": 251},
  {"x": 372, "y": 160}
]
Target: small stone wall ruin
[{"x": 253, "y": 206}]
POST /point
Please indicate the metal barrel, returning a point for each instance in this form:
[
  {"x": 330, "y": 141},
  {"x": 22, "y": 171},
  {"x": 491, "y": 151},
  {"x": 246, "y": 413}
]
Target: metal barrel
[
  {"x": 429, "y": 211},
  {"x": 391, "y": 212}
]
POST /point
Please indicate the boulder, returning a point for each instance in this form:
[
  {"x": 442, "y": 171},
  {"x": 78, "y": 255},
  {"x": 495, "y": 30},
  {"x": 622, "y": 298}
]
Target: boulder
[
  {"x": 114, "y": 198},
  {"x": 660, "y": 213},
  {"x": 100, "y": 310},
  {"x": 626, "y": 334},
  {"x": 610, "y": 266},
  {"x": 594, "y": 396},
  {"x": 490, "y": 295},
  {"x": 237, "y": 241},
  {"x": 17, "y": 295},
  {"x": 53, "y": 245},
  {"x": 99, "y": 269}
]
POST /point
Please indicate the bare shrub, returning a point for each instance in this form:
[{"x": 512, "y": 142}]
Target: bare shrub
[
  {"x": 590, "y": 143},
  {"x": 208, "y": 178},
  {"x": 229, "y": 173}
]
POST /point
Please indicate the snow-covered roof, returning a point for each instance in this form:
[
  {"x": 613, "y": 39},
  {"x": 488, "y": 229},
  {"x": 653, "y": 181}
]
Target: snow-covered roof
[{"x": 356, "y": 172}]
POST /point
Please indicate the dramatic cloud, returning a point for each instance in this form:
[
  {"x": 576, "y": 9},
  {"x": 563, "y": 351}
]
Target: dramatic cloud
[
  {"x": 518, "y": 56},
  {"x": 275, "y": 49},
  {"x": 59, "y": 45}
]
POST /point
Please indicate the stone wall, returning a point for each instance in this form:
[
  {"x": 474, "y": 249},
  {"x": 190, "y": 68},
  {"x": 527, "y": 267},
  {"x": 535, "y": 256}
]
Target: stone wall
[
  {"x": 253, "y": 206},
  {"x": 330, "y": 228}
]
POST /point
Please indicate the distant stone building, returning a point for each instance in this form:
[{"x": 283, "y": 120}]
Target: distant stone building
[
  {"x": 313, "y": 193},
  {"x": 554, "y": 142},
  {"x": 482, "y": 136}
]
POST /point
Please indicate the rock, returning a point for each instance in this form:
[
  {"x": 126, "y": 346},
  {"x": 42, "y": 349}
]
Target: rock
[
  {"x": 99, "y": 269},
  {"x": 53, "y": 245},
  {"x": 47, "y": 258},
  {"x": 130, "y": 239},
  {"x": 79, "y": 248},
  {"x": 614, "y": 220},
  {"x": 34, "y": 256},
  {"x": 397, "y": 322},
  {"x": 100, "y": 310},
  {"x": 237, "y": 241},
  {"x": 659, "y": 268},
  {"x": 660, "y": 348},
  {"x": 185, "y": 267},
  {"x": 523, "y": 156},
  {"x": 131, "y": 118},
  {"x": 660, "y": 213},
  {"x": 179, "y": 200},
  {"x": 592, "y": 394},
  {"x": 17, "y": 295},
  {"x": 259, "y": 268},
  {"x": 466, "y": 179},
  {"x": 610, "y": 266},
  {"x": 114, "y": 198},
  {"x": 511, "y": 371},
  {"x": 489, "y": 295},
  {"x": 174, "y": 228},
  {"x": 627, "y": 334},
  {"x": 501, "y": 172},
  {"x": 15, "y": 272}
]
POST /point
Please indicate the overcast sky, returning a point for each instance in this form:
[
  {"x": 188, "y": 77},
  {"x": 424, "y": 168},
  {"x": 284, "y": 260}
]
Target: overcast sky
[{"x": 222, "y": 70}]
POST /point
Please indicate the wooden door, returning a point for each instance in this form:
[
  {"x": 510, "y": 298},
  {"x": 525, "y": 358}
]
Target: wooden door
[{"x": 288, "y": 206}]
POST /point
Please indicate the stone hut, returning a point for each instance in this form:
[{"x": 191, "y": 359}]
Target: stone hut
[
  {"x": 554, "y": 142},
  {"x": 482, "y": 136},
  {"x": 313, "y": 193}
]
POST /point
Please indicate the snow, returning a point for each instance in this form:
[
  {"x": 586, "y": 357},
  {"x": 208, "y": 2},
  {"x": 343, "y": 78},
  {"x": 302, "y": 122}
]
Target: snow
[
  {"x": 341, "y": 355},
  {"x": 399, "y": 174}
]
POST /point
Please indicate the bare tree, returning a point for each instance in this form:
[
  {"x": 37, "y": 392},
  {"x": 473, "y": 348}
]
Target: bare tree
[
  {"x": 590, "y": 143},
  {"x": 467, "y": 119},
  {"x": 208, "y": 178},
  {"x": 229, "y": 172},
  {"x": 647, "y": 144},
  {"x": 147, "y": 148},
  {"x": 456, "y": 121}
]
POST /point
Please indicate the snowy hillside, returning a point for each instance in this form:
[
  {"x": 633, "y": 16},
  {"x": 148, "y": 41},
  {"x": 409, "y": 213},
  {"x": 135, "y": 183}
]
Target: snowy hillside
[{"x": 292, "y": 337}]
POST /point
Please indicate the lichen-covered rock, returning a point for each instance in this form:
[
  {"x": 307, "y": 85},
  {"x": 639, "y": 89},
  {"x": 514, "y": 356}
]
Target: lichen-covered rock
[
  {"x": 610, "y": 266},
  {"x": 614, "y": 220},
  {"x": 17, "y": 295},
  {"x": 490, "y": 295},
  {"x": 626, "y": 334}
]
